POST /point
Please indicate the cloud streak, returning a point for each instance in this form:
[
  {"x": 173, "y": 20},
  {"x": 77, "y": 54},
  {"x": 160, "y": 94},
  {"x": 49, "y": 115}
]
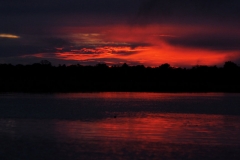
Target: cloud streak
[{"x": 4, "y": 35}]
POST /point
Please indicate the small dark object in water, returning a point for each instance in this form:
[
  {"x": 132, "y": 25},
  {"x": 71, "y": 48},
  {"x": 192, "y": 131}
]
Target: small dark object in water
[{"x": 115, "y": 116}]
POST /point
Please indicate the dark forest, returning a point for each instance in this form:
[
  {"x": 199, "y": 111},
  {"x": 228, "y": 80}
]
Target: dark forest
[{"x": 43, "y": 77}]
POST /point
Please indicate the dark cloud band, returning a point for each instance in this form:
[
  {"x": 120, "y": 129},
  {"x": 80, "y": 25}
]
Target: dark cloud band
[{"x": 208, "y": 41}]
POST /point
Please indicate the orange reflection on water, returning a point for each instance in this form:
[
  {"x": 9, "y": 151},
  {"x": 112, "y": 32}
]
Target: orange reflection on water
[
  {"x": 166, "y": 128},
  {"x": 136, "y": 95}
]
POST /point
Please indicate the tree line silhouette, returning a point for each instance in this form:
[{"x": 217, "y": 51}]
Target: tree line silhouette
[{"x": 44, "y": 77}]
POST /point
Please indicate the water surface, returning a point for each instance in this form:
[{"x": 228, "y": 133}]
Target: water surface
[{"x": 120, "y": 126}]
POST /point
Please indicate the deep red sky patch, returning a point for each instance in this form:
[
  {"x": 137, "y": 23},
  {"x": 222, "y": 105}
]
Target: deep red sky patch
[{"x": 147, "y": 45}]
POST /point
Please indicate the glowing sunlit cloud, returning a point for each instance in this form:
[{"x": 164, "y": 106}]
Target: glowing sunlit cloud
[
  {"x": 151, "y": 56},
  {"x": 9, "y": 36},
  {"x": 146, "y": 45},
  {"x": 100, "y": 52}
]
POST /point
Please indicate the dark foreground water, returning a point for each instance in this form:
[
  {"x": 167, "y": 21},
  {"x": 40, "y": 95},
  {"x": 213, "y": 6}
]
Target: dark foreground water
[{"x": 120, "y": 126}]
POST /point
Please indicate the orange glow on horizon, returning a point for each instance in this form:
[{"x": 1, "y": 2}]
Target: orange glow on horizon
[
  {"x": 151, "y": 56},
  {"x": 145, "y": 45}
]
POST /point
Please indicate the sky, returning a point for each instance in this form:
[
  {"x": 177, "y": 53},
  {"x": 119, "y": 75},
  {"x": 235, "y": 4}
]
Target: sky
[{"x": 137, "y": 32}]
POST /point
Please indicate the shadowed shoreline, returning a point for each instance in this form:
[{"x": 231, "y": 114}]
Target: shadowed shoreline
[{"x": 45, "y": 78}]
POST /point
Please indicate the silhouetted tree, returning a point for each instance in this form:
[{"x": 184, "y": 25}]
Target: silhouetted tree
[
  {"x": 43, "y": 77},
  {"x": 46, "y": 63},
  {"x": 230, "y": 65},
  {"x": 125, "y": 65},
  {"x": 102, "y": 65},
  {"x": 165, "y": 66}
]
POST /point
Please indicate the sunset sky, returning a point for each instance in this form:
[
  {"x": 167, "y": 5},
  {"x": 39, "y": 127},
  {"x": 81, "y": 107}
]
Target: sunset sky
[{"x": 150, "y": 32}]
